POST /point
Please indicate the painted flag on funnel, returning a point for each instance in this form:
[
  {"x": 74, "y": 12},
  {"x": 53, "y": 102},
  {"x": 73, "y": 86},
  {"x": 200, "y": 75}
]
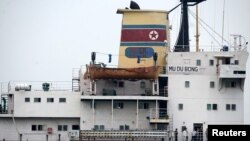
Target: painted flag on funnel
[{"x": 143, "y": 35}]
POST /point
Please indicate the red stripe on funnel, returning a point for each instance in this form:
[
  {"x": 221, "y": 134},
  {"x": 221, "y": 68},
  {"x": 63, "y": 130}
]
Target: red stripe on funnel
[{"x": 143, "y": 35}]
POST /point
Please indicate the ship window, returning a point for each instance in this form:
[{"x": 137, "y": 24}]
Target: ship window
[
  {"x": 228, "y": 107},
  {"x": 115, "y": 83},
  {"x": 236, "y": 62},
  {"x": 37, "y": 99},
  {"x": 27, "y": 99},
  {"x": 121, "y": 84},
  {"x": 121, "y": 127},
  {"x": 211, "y": 84},
  {"x": 226, "y": 61},
  {"x": 50, "y": 100},
  {"x": 101, "y": 127},
  {"x": 187, "y": 84},
  {"x": 59, "y": 127},
  {"x": 198, "y": 62},
  {"x": 215, "y": 107},
  {"x": 65, "y": 127},
  {"x": 33, "y": 127},
  {"x": 209, "y": 107},
  {"x": 143, "y": 105},
  {"x": 143, "y": 84},
  {"x": 96, "y": 127},
  {"x": 62, "y": 100},
  {"x": 75, "y": 127},
  {"x": 180, "y": 106},
  {"x": 37, "y": 127},
  {"x": 124, "y": 127},
  {"x": 40, "y": 127},
  {"x": 233, "y": 107},
  {"x": 239, "y": 72},
  {"x": 211, "y": 62},
  {"x": 118, "y": 105},
  {"x": 62, "y": 127}
]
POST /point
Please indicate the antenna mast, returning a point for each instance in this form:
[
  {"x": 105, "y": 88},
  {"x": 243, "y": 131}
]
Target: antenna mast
[{"x": 223, "y": 16}]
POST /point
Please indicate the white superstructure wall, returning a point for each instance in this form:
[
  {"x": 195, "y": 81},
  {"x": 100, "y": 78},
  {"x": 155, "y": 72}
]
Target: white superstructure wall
[
  {"x": 103, "y": 114},
  {"x": 46, "y": 104},
  {"x": 11, "y": 129},
  {"x": 206, "y": 88}
]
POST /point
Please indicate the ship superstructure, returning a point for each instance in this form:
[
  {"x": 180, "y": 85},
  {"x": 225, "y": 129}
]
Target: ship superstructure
[{"x": 153, "y": 94}]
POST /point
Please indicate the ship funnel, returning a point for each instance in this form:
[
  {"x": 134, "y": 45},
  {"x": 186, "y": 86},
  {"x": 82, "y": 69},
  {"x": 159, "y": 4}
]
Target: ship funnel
[{"x": 143, "y": 33}]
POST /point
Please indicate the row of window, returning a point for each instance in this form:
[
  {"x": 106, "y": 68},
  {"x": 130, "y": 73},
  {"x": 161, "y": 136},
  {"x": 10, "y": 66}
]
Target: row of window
[
  {"x": 228, "y": 84},
  {"x": 210, "y": 107},
  {"x": 120, "y": 105},
  {"x": 118, "y": 84},
  {"x": 102, "y": 127},
  {"x": 121, "y": 84},
  {"x": 224, "y": 61},
  {"x": 49, "y": 100},
  {"x": 59, "y": 127}
]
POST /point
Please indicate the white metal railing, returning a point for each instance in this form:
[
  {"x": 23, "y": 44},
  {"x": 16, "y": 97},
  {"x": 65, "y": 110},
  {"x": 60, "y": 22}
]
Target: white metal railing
[
  {"x": 36, "y": 86},
  {"x": 123, "y": 134},
  {"x": 76, "y": 73},
  {"x": 158, "y": 113},
  {"x": 116, "y": 92},
  {"x": 164, "y": 91}
]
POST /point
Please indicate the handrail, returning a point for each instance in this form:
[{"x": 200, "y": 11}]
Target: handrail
[
  {"x": 76, "y": 73},
  {"x": 158, "y": 113},
  {"x": 123, "y": 134},
  {"x": 35, "y": 86}
]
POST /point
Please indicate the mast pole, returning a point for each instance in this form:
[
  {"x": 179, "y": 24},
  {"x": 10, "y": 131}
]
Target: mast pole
[
  {"x": 197, "y": 29},
  {"x": 223, "y": 16}
]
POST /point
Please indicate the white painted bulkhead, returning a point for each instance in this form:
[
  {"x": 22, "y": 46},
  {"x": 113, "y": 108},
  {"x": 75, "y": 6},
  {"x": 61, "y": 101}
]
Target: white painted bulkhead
[
  {"x": 112, "y": 118},
  {"x": 188, "y": 83},
  {"x": 69, "y": 108},
  {"x": 46, "y": 109},
  {"x": 12, "y": 128},
  {"x": 192, "y": 97}
]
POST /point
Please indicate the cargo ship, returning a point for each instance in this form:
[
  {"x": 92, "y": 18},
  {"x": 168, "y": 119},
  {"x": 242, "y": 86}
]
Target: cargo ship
[{"x": 155, "y": 93}]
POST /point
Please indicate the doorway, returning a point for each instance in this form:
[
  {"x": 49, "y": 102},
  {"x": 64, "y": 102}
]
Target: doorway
[{"x": 198, "y": 127}]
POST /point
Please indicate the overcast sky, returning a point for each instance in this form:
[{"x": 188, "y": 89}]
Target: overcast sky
[{"x": 44, "y": 39}]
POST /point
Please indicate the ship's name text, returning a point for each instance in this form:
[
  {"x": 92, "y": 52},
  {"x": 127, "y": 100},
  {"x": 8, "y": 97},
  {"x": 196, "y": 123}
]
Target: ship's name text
[{"x": 182, "y": 69}]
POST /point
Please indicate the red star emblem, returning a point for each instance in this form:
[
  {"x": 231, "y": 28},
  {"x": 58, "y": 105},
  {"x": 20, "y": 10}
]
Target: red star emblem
[{"x": 153, "y": 35}]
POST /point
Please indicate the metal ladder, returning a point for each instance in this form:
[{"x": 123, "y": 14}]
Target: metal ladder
[{"x": 76, "y": 79}]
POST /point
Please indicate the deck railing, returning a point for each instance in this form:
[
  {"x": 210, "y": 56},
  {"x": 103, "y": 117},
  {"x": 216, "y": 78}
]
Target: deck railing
[
  {"x": 123, "y": 134},
  {"x": 158, "y": 113},
  {"x": 36, "y": 86}
]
